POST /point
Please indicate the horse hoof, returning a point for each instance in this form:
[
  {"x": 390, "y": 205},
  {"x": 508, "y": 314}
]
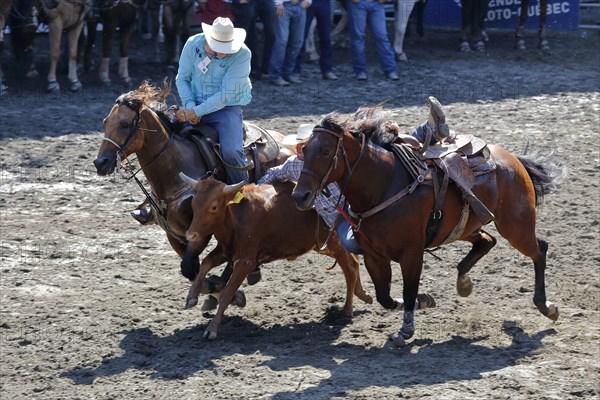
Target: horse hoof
[
  {"x": 32, "y": 74},
  {"x": 239, "y": 299},
  {"x": 464, "y": 285},
  {"x": 53, "y": 87},
  {"x": 126, "y": 81},
  {"x": 398, "y": 339},
  {"x": 479, "y": 46},
  {"x": 464, "y": 47},
  {"x": 544, "y": 45},
  {"x": 366, "y": 297},
  {"x": 3, "y": 89},
  {"x": 106, "y": 82},
  {"x": 209, "y": 335},
  {"x": 401, "y": 57},
  {"x": 254, "y": 277},
  {"x": 75, "y": 86},
  {"x": 209, "y": 304},
  {"x": 520, "y": 44},
  {"x": 212, "y": 284},
  {"x": 552, "y": 311},
  {"x": 190, "y": 303},
  {"x": 425, "y": 301}
]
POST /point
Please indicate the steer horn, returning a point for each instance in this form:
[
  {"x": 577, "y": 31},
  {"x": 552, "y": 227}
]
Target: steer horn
[
  {"x": 230, "y": 189},
  {"x": 190, "y": 181}
]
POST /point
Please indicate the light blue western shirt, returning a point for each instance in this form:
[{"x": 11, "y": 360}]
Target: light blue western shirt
[{"x": 226, "y": 83}]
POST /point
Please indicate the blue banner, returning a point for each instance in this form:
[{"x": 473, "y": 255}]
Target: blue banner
[{"x": 504, "y": 14}]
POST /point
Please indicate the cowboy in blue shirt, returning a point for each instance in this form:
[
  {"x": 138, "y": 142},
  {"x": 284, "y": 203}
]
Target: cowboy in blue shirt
[{"x": 213, "y": 84}]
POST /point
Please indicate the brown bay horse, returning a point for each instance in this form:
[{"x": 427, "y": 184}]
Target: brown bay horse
[
  {"x": 137, "y": 124},
  {"x": 524, "y": 13},
  {"x": 63, "y": 16},
  {"x": 355, "y": 154},
  {"x": 121, "y": 14}
]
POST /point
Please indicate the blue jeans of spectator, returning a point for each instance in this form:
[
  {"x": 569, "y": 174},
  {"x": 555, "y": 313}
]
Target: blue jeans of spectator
[
  {"x": 265, "y": 10},
  {"x": 321, "y": 10},
  {"x": 372, "y": 13},
  {"x": 228, "y": 123},
  {"x": 289, "y": 36},
  {"x": 346, "y": 235}
]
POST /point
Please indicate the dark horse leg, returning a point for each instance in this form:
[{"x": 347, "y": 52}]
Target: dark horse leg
[
  {"x": 126, "y": 30},
  {"x": 519, "y": 41},
  {"x": 482, "y": 242},
  {"x": 411, "y": 263},
  {"x": 109, "y": 27},
  {"x": 518, "y": 227}
]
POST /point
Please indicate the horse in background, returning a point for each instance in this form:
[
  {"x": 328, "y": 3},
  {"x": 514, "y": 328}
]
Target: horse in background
[
  {"x": 177, "y": 22},
  {"x": 67, "y": 16},
  {"x": 121, "y": 14},
  {"x": 23, "y": 25},
  {"x": 5, "y": 6},
  {"x": 542, "y": 41},
  {"x": 397, "y": 213},
  {"x": 472, "y": 34}
]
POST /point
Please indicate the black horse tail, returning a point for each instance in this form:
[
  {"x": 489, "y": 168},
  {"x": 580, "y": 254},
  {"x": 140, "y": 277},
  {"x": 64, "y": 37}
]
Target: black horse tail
[{"x": 544, "y": 173}]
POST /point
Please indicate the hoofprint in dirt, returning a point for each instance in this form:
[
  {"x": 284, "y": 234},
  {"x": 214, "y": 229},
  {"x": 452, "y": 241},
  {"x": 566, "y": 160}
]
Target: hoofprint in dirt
[{"x": 91, "y": 304}]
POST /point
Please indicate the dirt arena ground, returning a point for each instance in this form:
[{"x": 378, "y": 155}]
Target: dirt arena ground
[{"x": 92, "y": 303}]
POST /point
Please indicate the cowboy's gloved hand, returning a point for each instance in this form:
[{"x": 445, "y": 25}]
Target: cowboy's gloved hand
[{"x": 187, "y": 114}]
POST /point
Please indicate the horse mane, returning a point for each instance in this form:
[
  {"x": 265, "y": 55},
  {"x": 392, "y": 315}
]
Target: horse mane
[
  {"x": 149, "y": 95},
  {"x": 372, "y": 121}
]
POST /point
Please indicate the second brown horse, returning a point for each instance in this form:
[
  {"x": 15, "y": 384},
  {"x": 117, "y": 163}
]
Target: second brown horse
[{"x": 356, "y": 154}]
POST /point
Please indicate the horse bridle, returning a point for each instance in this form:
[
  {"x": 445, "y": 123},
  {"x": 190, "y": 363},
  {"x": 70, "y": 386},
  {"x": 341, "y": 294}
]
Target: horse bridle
[
  {"x": 334, "y": 160},
  {"x": 132, "y": 129}
]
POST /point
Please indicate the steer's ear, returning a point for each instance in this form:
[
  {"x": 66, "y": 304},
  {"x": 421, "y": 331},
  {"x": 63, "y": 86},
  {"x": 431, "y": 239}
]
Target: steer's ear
[{"x": 190, "y": 181}]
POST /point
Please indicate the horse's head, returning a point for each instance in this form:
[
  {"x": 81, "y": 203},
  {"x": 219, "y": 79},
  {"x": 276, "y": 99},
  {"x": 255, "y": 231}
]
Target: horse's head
[
  {"x": 122, "y": 133},
  {"x": 324, "y": 161}
]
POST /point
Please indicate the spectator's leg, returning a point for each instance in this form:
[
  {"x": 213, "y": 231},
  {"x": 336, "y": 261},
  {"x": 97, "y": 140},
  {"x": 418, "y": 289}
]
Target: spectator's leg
[
  {"x": 282, "y": 33},
  {"x": 323, "y": 15},
  {"x": 376, "y": 20},
  {"x": 357, "y": 21},
  {"x": 296, "y": 38}
]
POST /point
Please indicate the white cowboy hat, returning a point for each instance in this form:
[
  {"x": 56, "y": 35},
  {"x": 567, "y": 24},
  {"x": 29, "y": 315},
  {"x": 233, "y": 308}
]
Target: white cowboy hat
[
  {"x": 222, "y": 37},
  {"x": 304, "y": 131}
]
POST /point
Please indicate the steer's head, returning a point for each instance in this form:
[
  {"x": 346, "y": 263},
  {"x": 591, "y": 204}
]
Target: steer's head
[{"x": 209, "y": 205}]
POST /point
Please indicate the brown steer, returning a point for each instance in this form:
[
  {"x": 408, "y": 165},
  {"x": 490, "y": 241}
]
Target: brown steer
[{"x": 255, "y": 225}]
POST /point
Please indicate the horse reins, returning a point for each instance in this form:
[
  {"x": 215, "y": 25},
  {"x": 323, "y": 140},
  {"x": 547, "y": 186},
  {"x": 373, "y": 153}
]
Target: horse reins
[{"x": 121, "y": 150}]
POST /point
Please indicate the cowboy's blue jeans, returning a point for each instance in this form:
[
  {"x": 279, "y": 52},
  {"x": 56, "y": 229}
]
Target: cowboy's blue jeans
[
  {"x": 346, "y": 236},
  {"x": 289, "y": 36},
  {"x": 228, "y": 123},
  {"x": 372, "y": 13}
]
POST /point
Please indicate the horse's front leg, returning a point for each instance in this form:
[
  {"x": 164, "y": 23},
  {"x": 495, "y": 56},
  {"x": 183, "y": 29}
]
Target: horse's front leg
[
  {"x": 73, "y": 38},
  {"x": 411, "y": 263},
  {"x": 201, "y": 284},
  {"x": 189, "y": 257},
  {"x": 169, "y": 30},
  {"x": 108, "y": 33},
  {"x": 380, "y": 271},
  {"x": 55, "y": 29},
  {"x": 126, "y": 33},
  {"x": 241, "y": 269}
]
